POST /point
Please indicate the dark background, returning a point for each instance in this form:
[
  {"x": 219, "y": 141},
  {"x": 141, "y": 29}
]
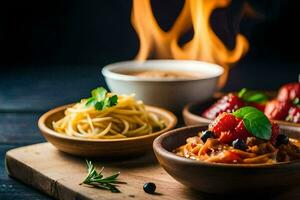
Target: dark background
[
  {"x": 74, "y": 32},
  {"x": 52, "y": 51},
  {"x": 56, "y": 48},
  {"x": 88, "y": 32}
]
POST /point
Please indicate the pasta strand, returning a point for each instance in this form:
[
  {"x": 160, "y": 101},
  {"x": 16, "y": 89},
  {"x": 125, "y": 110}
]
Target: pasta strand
[{"x": 128, "y": 118}]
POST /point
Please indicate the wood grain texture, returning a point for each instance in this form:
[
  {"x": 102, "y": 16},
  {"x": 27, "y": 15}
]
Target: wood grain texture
[
  {"x": 11, "y": 188},
  {"x": 40, "y": 88},
  {"x": 59, "y": 175},
  {"x": 26, "y": 91},
  {"x": 19, "y": 128}
]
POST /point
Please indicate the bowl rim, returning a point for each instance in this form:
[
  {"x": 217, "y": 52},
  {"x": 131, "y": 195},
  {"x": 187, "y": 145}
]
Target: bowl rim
[
  {"x": 186, "y": 112},
  {"x": 47, "y": 130},
  {"x": 108, "y": 73},
  {"x": 159, "y": 149}
]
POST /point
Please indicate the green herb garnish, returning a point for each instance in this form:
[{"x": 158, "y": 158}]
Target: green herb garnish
[
  {"x": 100, "y": 100},
  {"x": 296, "y": 101},
  {"x": 252, "y": 96},
  {"x": 255, "y": 122},
  {"x": 96, "y": 179}
]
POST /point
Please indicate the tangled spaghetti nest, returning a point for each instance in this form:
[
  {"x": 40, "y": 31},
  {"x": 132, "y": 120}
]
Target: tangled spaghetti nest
[{"x": 128, "y": 118}]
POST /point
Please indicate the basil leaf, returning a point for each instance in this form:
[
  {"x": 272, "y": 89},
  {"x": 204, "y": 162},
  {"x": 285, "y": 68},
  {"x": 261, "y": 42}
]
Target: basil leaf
[
  {"x": 90, "y": 102},
  {"x": 99, "y": 105},
  {"x": 242, "y": 92},
  {"x": 296, "y": 101},
  {"x": 255, "y": 97},
  {"x": 255, "y": 122},
  {"x": 99, "y": 93},
  {"x": 100, "y": 100},
  {"x": 107, "y": 102},
  {"x": 252, "y": 96},
  {"x": 240, "y": 113},
  {"x": 113, "y": 100}
]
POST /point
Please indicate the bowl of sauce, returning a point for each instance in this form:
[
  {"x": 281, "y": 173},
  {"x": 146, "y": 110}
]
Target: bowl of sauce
[
  {"x": 166, "y": 83},
  {"x": 165, "y": 74}
]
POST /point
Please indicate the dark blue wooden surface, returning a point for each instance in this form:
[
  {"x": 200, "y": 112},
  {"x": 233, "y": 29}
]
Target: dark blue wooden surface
[
  {"x": 28, "y": 91},
  {"x": 25, "y": 93}
]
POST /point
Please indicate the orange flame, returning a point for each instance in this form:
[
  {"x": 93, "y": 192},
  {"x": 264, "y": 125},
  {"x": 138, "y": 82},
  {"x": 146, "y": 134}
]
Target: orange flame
[{"x": 205, "y": 44}]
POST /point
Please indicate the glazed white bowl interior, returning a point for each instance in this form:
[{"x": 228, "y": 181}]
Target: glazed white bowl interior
[
  {"x": 171, "y": 93},
  {"x": 120, "y": 70}
]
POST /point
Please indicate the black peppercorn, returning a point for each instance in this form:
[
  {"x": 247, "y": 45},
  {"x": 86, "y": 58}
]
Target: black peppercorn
[
  {"x": 149, "y": 188},
  {"x": 239, "y": 144},
  {"x": 281, "y": 139},
  {"x": 206, "y": 134}
]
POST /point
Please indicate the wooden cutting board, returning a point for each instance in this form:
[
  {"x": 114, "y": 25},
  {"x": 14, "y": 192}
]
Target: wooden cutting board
[{"x": 58, "y": 175}]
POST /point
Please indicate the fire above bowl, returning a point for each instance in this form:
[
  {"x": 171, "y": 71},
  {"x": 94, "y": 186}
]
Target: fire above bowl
[{"x": 168, "y": 92}]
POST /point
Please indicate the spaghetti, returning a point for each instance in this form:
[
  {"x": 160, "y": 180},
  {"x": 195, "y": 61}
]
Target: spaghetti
[
  {"x": 258, "y": 151},
  {"x": 128, "y": 118}
]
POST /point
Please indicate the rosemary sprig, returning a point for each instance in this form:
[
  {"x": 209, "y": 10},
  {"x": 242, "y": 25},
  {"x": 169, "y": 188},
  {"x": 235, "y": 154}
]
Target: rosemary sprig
[{"x": 96, "y": 179}]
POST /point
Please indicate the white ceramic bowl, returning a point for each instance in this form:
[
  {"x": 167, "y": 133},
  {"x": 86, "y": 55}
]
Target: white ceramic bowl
[{"x": 169, "y": 93}]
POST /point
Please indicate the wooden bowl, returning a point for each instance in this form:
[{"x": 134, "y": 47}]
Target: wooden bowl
[
  {"x": 222, "y": 178},
  {"x": 101, "y": 147},
  {"x": 192, "y": 115}
]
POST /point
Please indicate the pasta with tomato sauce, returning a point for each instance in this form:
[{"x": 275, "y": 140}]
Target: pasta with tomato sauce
[
  {"x": 257, "y": 151},
  {"x": 246, "y": 136}
]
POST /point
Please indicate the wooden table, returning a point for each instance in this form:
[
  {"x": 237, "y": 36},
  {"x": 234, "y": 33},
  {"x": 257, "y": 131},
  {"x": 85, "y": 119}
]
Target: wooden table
[{"x": 25, "y": 93}]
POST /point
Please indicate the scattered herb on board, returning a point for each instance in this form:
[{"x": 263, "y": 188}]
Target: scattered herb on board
[
  {"x": 97, "y": 180},
  {"x": 100, "y": 100},
  {"x": 255, "y": 122}
]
